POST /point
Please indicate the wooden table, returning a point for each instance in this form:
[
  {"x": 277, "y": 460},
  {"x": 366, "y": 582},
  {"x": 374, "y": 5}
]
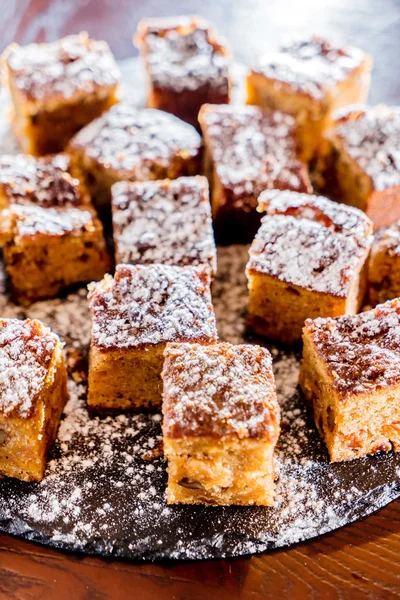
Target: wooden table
[{"x": 361, "y": 560}]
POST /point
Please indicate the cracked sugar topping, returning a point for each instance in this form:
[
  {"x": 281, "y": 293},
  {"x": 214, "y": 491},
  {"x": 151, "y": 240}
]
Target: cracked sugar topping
[
  {"x": 219, "y": 390},
  {"x": 26, "y": 350},
  {"x": 165, "y": 222},
  {"x": 152, "y": 304},
  {"x": 139, "y": 143},
  {"x": 44, "y": 181},
  {"x": 183, "y": 54},
  {"x": 311, "y": 66},
  {"x": 253, "y": 150},
  {"x": 310, "y": 242},
  {"x": 361, "y": 352},
  {"x": 372, "y": 139},
  {"x": 74, "y": 65},
  {"x": 35, "y": 220}
]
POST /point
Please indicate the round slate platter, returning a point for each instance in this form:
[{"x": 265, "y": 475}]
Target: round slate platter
[{"x": 104, "y": 489}]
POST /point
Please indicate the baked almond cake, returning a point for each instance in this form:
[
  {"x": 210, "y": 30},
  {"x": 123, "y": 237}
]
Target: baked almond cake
[
  {"x": 135, "y": 313},
  {"x": 384, "y": 265},
  {"x": 57, "y": 88},
  {"x": 33, "y": 392},
  {"x": 351, "y": 375},
  {"x": 308, "y": 259},
  {"x": 221, "y": 424}
]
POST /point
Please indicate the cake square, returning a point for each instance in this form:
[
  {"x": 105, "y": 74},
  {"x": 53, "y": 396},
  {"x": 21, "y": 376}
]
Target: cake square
[
  {"x": 186, "y": 63},
  {"x": 220, "y": 424},
  {"x": 47, "y": 250},
  {"x": 351, "y": 375},
  {"x": 133, "y": 144},
  {"x": 307, "y": 260},
  {"x": 135, "y": 313},
  {"x": 384, "y": 265},
  {"x": 310, "y": 78},
  {"x": 33, "y": 392},
  {"x": 57, "y": 88},
  {"x": 167, "y": 221},
  {"x": 248, "y": 150},
  {"x": 363, "y": 162}
]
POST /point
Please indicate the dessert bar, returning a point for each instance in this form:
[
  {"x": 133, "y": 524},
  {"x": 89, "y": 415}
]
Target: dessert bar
[{"x": 384, "y": 265}]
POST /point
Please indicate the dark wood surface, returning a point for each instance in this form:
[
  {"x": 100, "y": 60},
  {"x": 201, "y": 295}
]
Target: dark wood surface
[{"x": 359, "y": 561}]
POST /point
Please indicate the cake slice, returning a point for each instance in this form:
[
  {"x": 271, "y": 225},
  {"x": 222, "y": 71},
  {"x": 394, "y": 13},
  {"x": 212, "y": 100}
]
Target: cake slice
[{"x": 384, "y": 265}]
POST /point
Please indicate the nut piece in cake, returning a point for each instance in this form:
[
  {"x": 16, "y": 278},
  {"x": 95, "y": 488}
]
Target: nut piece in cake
[
  {"x": 133, "y": 144},
  {"x": 48, "y": 249},
  {"x": 363, "y": 162},
  {"x": 307, "y": 260},
  {"x": 164, "y": 221},
  {"x": 135, "y": 313},
  {"x": 57, "y": 88},
  {"x": 33, "y": 392},
  {"x": 187, "y": 65},
  {"x": 247, "y": 151},
  {"x": 310, "y": 79},
  {"x": 384, "y": 265},
  {"x": 221, "y": 424},
  {"x": 351, "y": 375}
]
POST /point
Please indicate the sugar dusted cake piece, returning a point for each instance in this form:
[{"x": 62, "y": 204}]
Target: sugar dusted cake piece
[
  {"x": 310, "y": 78},
  {"x": 57, "y": 88},
  {"x": 351, "y": 375},
  {"x": 167, "y": 221},
  {"x": 363, "y": 164},
  {"x": 135, "y": 313},
  {"x": 247, "y": 151},
  {"x": 132, "y": 144},
  {"x": 308, "y": 259},
  {"x": 221, "y": 424},
  {"x": 33, "y": 392},
  {"x": 384, "y": 265},
  {"x": 186, "y": 63},
  {"x": 47, "y": 250}
]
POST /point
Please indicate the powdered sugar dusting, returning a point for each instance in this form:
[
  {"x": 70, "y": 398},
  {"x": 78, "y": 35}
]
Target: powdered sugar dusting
[{"x": 32, "y": 220}]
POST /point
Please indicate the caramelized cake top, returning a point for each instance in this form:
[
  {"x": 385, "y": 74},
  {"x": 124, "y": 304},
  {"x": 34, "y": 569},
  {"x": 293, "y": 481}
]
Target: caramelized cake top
[
  {"x": 144, "y": 305},
  {"x": 137, "y": 143},
  {"x": 44, "y": 181},
  {"x": 26, "y": 351},
  {"x": 372, "y": 138},
  {"x": 165, "y": 222},
  {"x": 219, "y": 390},
  {"x": 252, "y": 150},
  {"x": 311, "y": 66},
  {"x": 183, "y": 53},
  {"x": 67, "y": 68},
  {"x": 310, "y": 241},
  {"x": 361, "y": 352}
]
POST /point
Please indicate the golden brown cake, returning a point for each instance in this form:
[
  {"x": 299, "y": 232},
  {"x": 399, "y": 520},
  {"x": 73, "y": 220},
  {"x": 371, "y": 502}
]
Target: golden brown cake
[
  {"x": 307, "y": 260},
  {"x": 384, "y": 265},
  {"x": 48, "y": 249},
  {"x": 247, "y": 151},
  {"x": 33, "y": 392},
  {"x": 221, "y": 424},
  {"x": 310, "y": 78},
  {"x": 167, "y": 221},
  {"x": 133, "y": 144},
  {"x": 186, "y": 64},
  {"x": 363, "y": 164},
  {"x": 351, "y": 375},
  {"x": 135, "y": 313},
  {"x": 57, "y": 88}
]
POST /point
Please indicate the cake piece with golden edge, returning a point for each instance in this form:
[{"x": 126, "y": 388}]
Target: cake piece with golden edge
[
  {"x": 167, "y": 221},
  {"x": 248, "y": 150},
  {"x": 307, "y": 260},
  {"x": 186, "y": 63},
  {"x": 384, "y": 265},
  {"x": 363, "y": 162},
  {"x": 135, "y": 313},
  {"x": 47, "y": 250},
  {"x": 221, "y": 424},
  {"x": 310, "y": 79},
  {"x": 133, "y": 144},
  {"x": 351, "y": 375},
  {"x": 57, "y": 88},
  {"x": 33, "y": 392}
]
